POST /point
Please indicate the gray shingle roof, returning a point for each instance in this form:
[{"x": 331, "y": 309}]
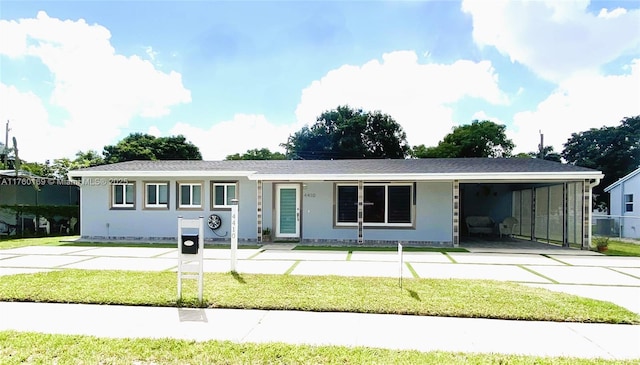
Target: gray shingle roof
[{"x": 329, "y": 167}]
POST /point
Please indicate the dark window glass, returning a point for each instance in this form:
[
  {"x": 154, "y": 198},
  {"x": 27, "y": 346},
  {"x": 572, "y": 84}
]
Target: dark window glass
[
  {"x": 119, "y": 194},
  {"x": 151, "y": 194},
  {"x": 347, "y": 204},
  {"x": 399, "y": 204},
  {"x": 374, "y": 204},
  {"x": 185, "y": 195},
  {"x": 219, "y": 195}
]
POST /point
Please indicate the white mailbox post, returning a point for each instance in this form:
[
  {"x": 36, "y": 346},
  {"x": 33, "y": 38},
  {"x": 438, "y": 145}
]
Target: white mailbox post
[
  {"x": 234, "y": 234},
  {"x": 190, "y": 252}
]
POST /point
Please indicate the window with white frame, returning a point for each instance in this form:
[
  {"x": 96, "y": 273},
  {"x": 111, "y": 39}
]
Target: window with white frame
[
  {"x": 190, "y": 195},
  {"x": 628, "y": 202},
  {"x": 123, "y": 195},
  {"x": 157, "y": 195},
  {"x": 224, "y": 193},
  {"x": 384, "y": 205}
]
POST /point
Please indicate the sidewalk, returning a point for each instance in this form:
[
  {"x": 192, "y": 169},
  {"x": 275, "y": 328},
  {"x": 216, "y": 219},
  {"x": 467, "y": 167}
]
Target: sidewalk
[
  {"x": 345, "y": 329},
  {"x": 615, "y": 279}
]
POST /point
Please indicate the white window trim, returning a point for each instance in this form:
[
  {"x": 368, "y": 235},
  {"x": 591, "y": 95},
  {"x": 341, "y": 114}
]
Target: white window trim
[
  {"x": 628, "y": 203},
  {"x": 146, "y": 195},
  {"x": 386, "y": 207},
  {"x": 124, "y": 204},
  {"x": 191, "y": 185},
  {"x": 226, "y": 192}
]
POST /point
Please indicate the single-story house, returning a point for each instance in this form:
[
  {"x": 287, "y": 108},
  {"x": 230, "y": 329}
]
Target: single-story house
[
  {"x": 624, "y": 204},
  {"x": 384, "y": 201}
]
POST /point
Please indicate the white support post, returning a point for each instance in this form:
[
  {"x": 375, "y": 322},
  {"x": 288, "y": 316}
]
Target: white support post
[
  {"x": 401, "y": 262},
  {"x": 360, "y": 212},
  {"x": 234, "y": 234}
]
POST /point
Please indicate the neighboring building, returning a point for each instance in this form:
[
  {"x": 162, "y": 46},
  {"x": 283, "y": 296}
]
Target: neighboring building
[
  {"x": 31, "y": 205},
  {"x": 624, "y": 204},
  {"x": 416, "y": 201}
]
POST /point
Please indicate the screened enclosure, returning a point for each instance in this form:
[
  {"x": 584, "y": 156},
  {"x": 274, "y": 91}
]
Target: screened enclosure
[
  {"x": 38, "y": 207},
  {"x": 550, "y": 213}
]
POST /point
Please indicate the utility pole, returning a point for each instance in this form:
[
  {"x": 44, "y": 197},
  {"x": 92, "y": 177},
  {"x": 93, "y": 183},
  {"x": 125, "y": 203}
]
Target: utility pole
[
  {"x": 541, "y": 145},
  {"x": 5, "y": 153}
]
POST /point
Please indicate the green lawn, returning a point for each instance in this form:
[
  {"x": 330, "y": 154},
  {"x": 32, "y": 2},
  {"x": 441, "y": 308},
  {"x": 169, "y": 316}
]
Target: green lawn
[
  {"x": 380, "y": 248},
  {"x": 34, "y": 348},
  {"x": 620, "y": 248},
  {"x": 434, "y": 297},
  {"x": 69, "y": 241},
  {"x": 22, "y": 242}
]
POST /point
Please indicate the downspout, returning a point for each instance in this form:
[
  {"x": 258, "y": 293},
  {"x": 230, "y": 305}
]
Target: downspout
[
  {"x": 593, "y": 184},
  {"x": 623, "y": 208}
]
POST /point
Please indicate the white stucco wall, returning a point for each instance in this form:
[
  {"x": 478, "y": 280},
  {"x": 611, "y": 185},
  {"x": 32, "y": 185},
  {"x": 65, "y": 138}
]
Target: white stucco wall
[
  {"x": 99, "y": 220},
  {"x": 433, "y": 213},
  {"x": 629, "y": 221}
]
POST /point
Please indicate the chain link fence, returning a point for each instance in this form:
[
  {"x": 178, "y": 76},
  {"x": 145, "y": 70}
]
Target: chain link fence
[{"x": 616, "y": 226}]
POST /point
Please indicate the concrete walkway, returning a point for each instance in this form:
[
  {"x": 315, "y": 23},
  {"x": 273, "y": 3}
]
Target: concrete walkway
[
  {"x": 346, "y": 329},
  {"x": 615, "y": 279}
]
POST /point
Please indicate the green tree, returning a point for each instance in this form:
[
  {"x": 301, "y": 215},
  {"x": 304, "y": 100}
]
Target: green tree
[
  {"x": 62, "y": 166},
  {"x": 257, "y": 154},
  {"x": 38, "y": 169},
  {"x": 139, "y": 146},
  {"x": 613, "y": 150},
  {"x": 346, "y": 133},
  {"x": 548, "y": 154},
  {"x": 478, "y": 139}
]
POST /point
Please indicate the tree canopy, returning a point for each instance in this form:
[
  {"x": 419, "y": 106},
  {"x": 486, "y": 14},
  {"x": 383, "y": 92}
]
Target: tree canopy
[
  {"x": 139, "y": 146},
  {"x": 613, "y": 150},
  {"x": 547, "y": 154},
  {"x": 257, "y": 154},
  {"x": 346, "y": 133},
  {"x": 62, "y": 166},
  {"x": 478, "y": 139}
]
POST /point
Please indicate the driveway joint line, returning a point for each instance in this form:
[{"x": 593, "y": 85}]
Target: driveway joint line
[
  {"x": 621, "y": 272},
  {"x": 555, "y": 259},
  {"x": 538, "y": 274},
  {"x": 413, "y": 271},
  {"x": 292, "y": 267},
  {"x": 449, "y": 257}
]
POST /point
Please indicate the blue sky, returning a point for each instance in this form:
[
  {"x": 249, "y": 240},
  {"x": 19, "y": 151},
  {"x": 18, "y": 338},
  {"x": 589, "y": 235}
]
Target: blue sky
[{"x": 231, "y": 76}]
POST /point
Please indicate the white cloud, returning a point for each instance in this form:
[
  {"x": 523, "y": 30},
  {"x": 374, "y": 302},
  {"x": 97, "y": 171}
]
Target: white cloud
[
  {"x": 553, "y": 38},
  {"x": 416, "y": 95},
  {"x": 38, "y": 140},
  {"x": 154, "y": 131},
  {"x": 100, "y": 90},
  {"x": 242, "y": 133},
  {"x": 578, "y": 104}
]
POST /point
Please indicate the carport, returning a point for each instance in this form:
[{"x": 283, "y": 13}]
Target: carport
[{"x": 555, "y": 212}]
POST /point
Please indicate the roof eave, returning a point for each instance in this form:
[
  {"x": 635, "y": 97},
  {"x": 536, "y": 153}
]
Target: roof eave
[
  {"x": 622, "y": 180},
  {"x": 131, "y": 174},
  {"x": 522, "y": 176},
  {"x": 253, "y": 175}
]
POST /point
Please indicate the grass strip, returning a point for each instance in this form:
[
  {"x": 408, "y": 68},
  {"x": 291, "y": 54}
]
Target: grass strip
[
  {"x": 537, "y": 274},
  {"x": 379, "y": 248},
  {"x": 621, "y": 248},
  {"x": 433, "y": 297},
  {"x": 65, "y": 241},
  {"x": 412, "y": 270},
  {"x": 555, "y": 259},
  {"x": 290, "y": 270},
  {"x": 19, "y": 348}
]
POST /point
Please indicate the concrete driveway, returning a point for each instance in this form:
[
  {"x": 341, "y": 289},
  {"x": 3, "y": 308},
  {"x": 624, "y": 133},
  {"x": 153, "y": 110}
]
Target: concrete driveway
[{"x": 583, "y": 273}]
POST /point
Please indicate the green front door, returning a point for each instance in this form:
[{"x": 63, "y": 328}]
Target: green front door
[{"x": 288, "y": 211}]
